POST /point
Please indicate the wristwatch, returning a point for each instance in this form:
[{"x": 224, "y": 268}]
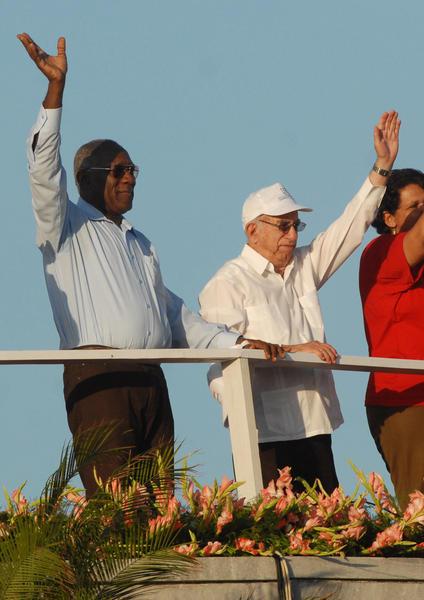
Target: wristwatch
[{"x": 380, "y": 171}]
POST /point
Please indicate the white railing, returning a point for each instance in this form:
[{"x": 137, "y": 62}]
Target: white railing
[{"x": 237, "y": 365}]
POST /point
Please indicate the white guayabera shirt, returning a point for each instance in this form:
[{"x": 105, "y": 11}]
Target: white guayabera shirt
[
  {"x": 104, "y": 281},
  {"x": 249, "y": 296}
]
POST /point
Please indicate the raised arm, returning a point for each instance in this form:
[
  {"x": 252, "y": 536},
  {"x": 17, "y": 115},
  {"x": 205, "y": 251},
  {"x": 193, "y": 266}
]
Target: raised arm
[
  {"x": 331, "y": 248},
  {"x": 47, "y": 177},
  {"x": 386, "y": 144},
  {"x": 53, "y": 67}
]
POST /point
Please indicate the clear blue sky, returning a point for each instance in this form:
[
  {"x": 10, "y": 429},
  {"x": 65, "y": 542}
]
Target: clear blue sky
[{"x": 214, "y": 99}]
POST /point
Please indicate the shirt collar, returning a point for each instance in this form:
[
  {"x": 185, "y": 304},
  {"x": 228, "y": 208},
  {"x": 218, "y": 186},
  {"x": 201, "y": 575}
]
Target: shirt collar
[
  {"x": 255, "y": 260},
  {"x": 260, "y": 264},
  {"x": 96, "y": 215}
]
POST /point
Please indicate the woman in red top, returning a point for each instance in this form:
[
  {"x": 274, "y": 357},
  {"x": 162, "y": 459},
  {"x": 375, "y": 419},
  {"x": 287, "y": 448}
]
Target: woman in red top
[{"x": 391, "y": 281}]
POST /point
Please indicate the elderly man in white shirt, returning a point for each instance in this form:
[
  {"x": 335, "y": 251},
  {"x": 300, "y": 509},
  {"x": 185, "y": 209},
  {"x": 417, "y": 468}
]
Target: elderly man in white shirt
[
  {"x": 104, "y": 283},
  {"x": 270, "y": 291}
]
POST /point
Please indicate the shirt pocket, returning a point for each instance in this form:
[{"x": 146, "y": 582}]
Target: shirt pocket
[
  {"x": 312, "y": 311},
  {"x": 265, "y": 322}
]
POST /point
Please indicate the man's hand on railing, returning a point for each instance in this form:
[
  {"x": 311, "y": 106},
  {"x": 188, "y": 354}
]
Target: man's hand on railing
[
  {"x": 325, "y": 352},
  {"x": 271, "y": 351}
]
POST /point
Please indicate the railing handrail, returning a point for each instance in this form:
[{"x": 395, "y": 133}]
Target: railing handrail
[
  {"x": 191, "y": 355},
  {"x": 237, "y": 366}
]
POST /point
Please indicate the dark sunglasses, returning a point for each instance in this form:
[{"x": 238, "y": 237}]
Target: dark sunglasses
[
  {"x": 118, "y": 171},
  {"x": 285, "y": 226}
]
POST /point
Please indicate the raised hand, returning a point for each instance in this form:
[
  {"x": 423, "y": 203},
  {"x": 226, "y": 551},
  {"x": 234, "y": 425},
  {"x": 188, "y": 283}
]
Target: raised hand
[
  {"x": 53, "y": 67},
  {"x": 386, "y": 139}
]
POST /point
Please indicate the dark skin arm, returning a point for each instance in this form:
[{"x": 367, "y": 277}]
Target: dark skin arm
[
  {"x": 53, "y": 67},
  {"x": 271, "y": 351}
]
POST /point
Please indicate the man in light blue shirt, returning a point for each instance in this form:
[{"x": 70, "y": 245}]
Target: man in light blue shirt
[{"x": 104, "y": 283}]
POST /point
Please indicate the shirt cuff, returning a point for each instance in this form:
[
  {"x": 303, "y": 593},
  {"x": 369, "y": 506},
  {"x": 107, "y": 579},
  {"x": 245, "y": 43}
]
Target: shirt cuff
[
  {"x": 224, "y": 339},
  {"x": 367, "y": 186},
  {"x": 242, "y": 344},
  {"x": 48, "y": 119}
]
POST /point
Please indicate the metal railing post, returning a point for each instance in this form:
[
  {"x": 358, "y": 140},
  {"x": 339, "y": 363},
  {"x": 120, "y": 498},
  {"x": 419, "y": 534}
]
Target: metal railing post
[{"x": 243, "y": 431}]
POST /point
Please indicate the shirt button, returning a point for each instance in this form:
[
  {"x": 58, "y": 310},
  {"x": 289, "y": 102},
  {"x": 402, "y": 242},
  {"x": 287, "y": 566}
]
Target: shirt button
[{"x": 148, "y": 306}]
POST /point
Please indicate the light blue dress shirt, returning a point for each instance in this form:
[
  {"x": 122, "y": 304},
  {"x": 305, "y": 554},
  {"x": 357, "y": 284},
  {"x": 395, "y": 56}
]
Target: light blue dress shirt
[{"x": 104, "y": 281}]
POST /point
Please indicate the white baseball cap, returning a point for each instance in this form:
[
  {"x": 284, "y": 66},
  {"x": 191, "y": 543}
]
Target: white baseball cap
[{"x": 273, "y": 200}]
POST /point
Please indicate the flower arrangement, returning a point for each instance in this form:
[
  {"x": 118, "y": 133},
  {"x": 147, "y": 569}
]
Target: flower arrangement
[
  {"x": 133, "y": 516},
  {"x": 212, "y": 521},
  {"x": 279, "y": 522}
]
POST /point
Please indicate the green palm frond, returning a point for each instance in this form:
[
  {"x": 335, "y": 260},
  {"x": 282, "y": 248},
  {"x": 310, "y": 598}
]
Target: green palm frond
[
  {"x": 30, "y": 565},
  {"x": 157, "y": 465},
  {"x": 123, "y": 578},
  {"x": 84, "y": 449},
  {"x": 116, "y": 544}
]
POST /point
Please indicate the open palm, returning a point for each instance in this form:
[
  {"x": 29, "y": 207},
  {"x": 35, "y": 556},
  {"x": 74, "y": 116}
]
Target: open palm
[
  {"x": 386, "y": 137},
  {"x": 53, "y": 67}
]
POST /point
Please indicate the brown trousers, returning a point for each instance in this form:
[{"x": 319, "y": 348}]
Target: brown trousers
[
  {"x": 398, "y": 433},
  {"x": 134, "y": 397},
  {"x": 309, "y": 458}
]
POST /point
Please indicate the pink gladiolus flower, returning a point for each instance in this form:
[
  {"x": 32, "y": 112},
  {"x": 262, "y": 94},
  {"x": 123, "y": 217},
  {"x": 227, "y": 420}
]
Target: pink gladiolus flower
[
  {"x": 388, "y": 537},
  {"x": 225, "y": 517},
  {"x": 211, "y": 548},
  {"x": 246, "y": 545},
  {"x": 173, "y": 506},
  {"x": 357, "y": 513},
  {"x": 207, "y": 494},
  {"x": 20, "y": 501},
  {"x": 206, "y": 499},
  {"x": 327, "y": 536},
  {"x": 158, "y": 523},
  {"x": 225, "y": 484},
  {"x": 261, "y": 547},
  {"x": 187, "y": 549},
  {"x": 171, "y": 518},
  {"x": 285, "y": 479},
  {"x": 354, "y": 532},
  {"x": 282, "y": 504},
  {"x": 329, "y": 506},
  {"x": 270, "y": 491},
  {"x": 298, "y": 544},
  {"x": 114, "y": 486},
  {"x": 257, "y": 512},
  {"x": 313, "y": 522},
  {"x": 377, "y": 484},
  {"x": 414, "y": 512},
  {"x": 332, "y": 539}
]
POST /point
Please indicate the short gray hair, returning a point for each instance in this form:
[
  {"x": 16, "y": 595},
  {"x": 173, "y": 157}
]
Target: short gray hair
[{"x": 97, "y": 153}]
